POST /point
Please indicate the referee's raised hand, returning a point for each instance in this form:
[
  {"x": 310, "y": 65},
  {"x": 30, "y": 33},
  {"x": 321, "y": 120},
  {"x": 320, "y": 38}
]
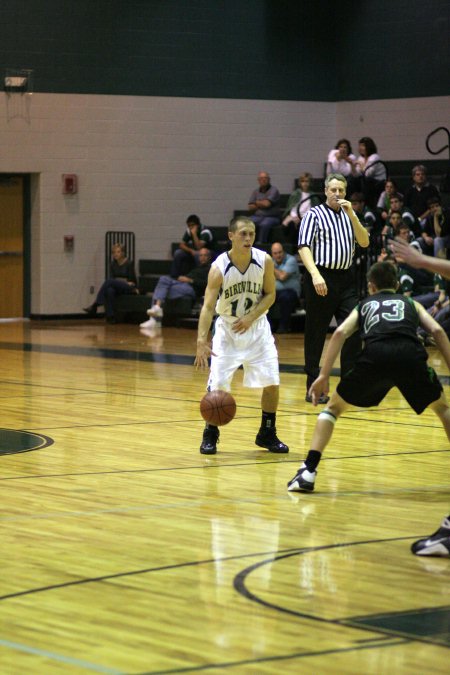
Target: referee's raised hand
[{"x": 345, "y": 204}]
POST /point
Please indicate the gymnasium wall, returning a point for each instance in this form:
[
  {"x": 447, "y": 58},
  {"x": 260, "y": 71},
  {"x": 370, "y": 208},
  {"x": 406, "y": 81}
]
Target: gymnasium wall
[
  {"x": 163, "y": 111},
  {"x": 258, "y": 49},
  {"x": 144, "y": 164}
]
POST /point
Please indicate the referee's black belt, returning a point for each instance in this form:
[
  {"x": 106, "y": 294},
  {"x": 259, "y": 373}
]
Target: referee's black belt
[{"x": 333, "y": 269}]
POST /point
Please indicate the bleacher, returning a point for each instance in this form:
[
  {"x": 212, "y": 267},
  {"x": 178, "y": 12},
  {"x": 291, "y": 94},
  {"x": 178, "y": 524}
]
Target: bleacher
[
  {"x": 437, "y": 170},
  {"x": 183, "y": 312},
  {"x": 133, "y": 308}
]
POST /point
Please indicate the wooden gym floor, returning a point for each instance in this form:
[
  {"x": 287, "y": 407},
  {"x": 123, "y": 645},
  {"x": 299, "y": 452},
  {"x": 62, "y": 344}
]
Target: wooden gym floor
[{"x": 126, "y": 551}]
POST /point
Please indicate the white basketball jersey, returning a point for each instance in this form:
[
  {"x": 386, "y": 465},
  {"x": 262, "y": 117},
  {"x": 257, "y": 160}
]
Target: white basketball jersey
[{"x": 240, "y": 291}]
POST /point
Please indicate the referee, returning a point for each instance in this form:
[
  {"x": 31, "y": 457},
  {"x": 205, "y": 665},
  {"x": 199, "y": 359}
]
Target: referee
[{"x": 326, "y": 242}]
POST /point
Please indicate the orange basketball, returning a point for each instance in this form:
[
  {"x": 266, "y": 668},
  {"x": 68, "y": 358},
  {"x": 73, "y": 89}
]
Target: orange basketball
[{"x": 218, "y": 407}]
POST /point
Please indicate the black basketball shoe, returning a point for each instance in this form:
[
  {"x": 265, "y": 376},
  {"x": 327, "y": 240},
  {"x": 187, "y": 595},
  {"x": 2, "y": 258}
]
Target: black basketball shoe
[
  {"x": 437, "y": 544},
  {"x": 303, "y": 481},
  {"x": 267, "y": 438},
  {"x": 210, "y": 440}
]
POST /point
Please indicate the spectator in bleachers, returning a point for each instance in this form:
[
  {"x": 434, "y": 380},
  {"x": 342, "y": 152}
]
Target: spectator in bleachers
[
  {"x": 437, "y": 304},
  {"x": 365, "y": 215},
  {"x": 428, "y": 235},
  {"x": 395, "y": 222},
  {"x": 121, "y": 282},
  {"x": 263, "y": 207},
  {"x": 371, "y": 170},
  {"x": 442, "y": 316},
  {"x": 440, "y": 218},
  {"x": 404, "y": 232},
  {"x": 392, "y": 226},
  {"x": 287, "y": 283},
  {"x": 342, "y": 160},
  {"x": 395, "y": 227},
  {"x": 384, "y": 200},
  {"x": 192, "y": 285},
  {"x": 300, "y": 200},
  {"x": 435, "y": 300},
  {"x": 432, "y": 264},
  {"x": 420, "y": 280},
  {"x": 408, "y": 283},
  {"x": 417, "y": 196},
  {"x": 196, "y": 236},
  {"x": 397, "y": 206}
]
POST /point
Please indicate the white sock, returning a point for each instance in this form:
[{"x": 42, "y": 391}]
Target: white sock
[{"x": 308, "y": 475}]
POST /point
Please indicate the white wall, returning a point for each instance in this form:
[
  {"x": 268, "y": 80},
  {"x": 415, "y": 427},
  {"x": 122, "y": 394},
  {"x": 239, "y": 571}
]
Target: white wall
[
  {"x": 398, "y": 126},
  {"x": 144, "y": 164}
]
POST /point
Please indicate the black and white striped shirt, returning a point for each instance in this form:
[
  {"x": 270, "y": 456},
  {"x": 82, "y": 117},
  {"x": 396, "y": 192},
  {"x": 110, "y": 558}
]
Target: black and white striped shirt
[{"x": 329, "y": 234}]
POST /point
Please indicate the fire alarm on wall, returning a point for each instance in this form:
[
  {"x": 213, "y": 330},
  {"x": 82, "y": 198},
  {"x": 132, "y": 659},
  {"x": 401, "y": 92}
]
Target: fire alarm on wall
[{"x": 70, "y": 183}]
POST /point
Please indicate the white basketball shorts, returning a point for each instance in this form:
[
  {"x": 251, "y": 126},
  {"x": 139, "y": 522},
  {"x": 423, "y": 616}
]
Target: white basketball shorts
[{"x": 255, "y": 350}]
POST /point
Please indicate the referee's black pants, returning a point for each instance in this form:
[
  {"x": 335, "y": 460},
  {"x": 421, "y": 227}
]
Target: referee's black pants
[{"x": 340, "y": 300}]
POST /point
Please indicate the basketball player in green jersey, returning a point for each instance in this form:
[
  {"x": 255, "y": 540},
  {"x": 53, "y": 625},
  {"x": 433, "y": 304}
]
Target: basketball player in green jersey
[{"x": 392, "y": 356}]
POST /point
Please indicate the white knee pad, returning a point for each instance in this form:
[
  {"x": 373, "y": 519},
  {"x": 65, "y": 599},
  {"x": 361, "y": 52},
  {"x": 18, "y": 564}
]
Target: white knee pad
[{"x": 328, "y": 416}]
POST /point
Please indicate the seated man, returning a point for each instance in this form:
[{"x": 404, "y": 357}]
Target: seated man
[
  {"x": 434, "y": 300},
  {"x": 299, "y": 202},
  {"x": 392, "y": 227},
  {"x": 192, "y": 285},
  {"x": 412, "y": 281},
  {"x": 263, "y": 207},
  {"x": 398, "y": 206},
  {"x": 439, "y": 222},
  {"x": 365, "y": 215},
  {"x": 196, "y": 236},
  {"x": 435, "y": 237},
  {"x": 417, "y": 196},
  {"x": 287, "y": 283}
]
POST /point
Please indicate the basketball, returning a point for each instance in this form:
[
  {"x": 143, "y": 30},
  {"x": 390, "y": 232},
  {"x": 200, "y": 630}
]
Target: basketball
[{"x": 218, "y": 407}]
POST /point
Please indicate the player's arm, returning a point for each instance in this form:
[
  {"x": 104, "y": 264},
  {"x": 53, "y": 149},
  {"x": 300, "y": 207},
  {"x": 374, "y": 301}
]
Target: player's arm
[
  {"x": 436, "y": 331},
  {"x": 322, "y": 385},
  {"x": 408, "y": 254},
  {"x": 206, "y": 316},
  {"x": 269, "y": 293}
]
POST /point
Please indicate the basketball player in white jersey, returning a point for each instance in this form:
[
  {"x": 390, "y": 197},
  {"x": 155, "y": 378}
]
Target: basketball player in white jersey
[{"x": 241, "y": 288}]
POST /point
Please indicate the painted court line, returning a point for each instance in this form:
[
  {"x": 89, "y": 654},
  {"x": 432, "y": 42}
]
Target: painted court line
[{"x": 59, "y": 657}]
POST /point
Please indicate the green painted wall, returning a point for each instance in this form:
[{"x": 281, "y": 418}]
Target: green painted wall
[
  {"x": 260, "y": 49},
  {"x": 395, "y": 49}
]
